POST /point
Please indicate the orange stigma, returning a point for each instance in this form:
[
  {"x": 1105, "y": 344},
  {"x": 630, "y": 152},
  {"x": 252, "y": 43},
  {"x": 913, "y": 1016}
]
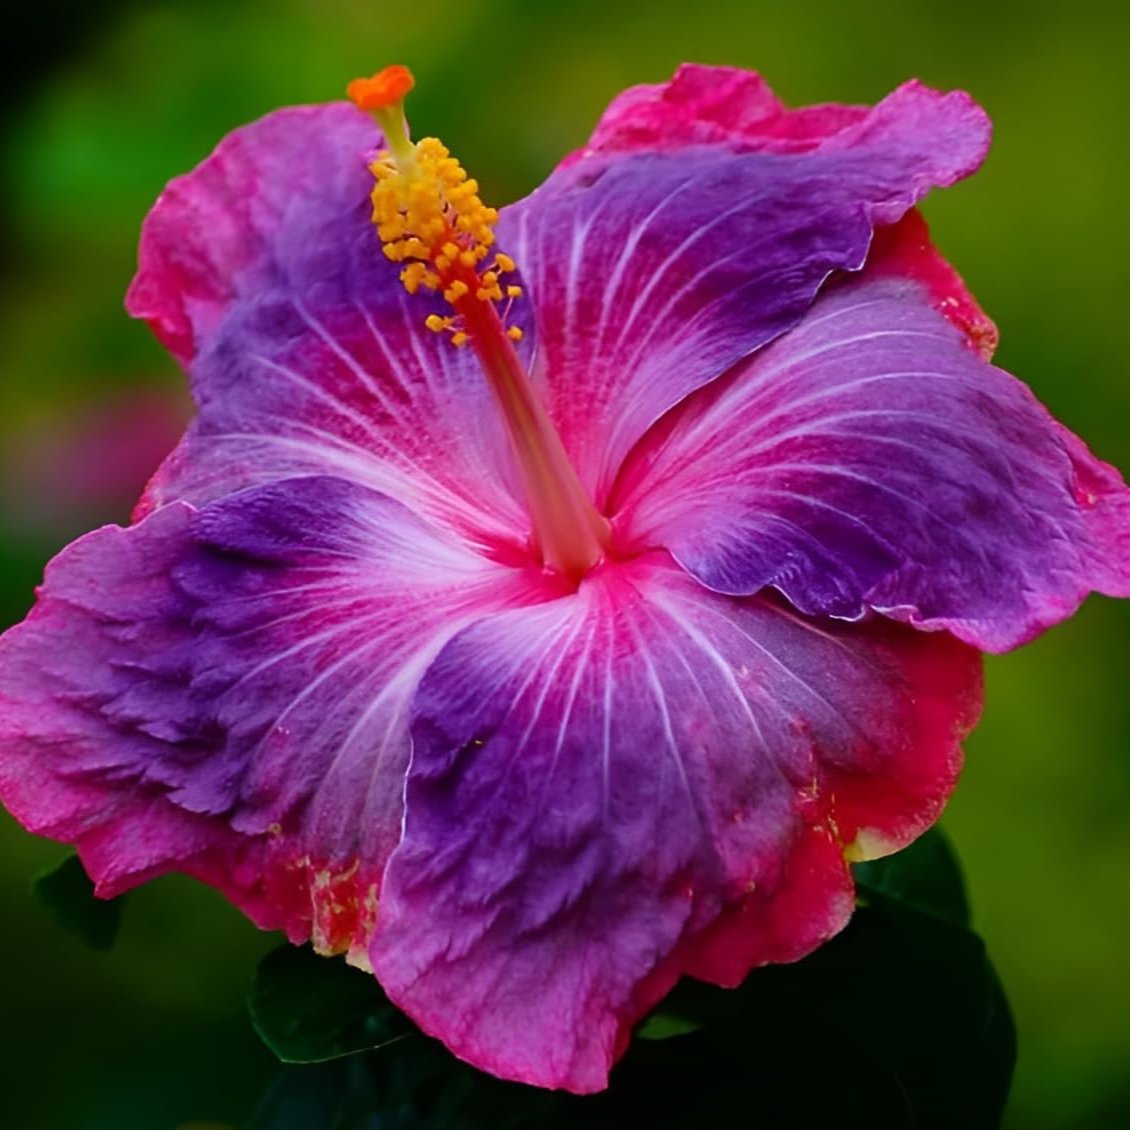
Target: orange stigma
[
  {"x": 385, "y": 88},
  {"x": 430, "y": 219}
]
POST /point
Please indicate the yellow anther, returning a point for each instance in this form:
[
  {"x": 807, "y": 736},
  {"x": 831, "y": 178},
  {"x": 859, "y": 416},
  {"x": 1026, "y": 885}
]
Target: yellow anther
[
  {"x": 514, "y": 333},
  {"x": 427, "y": 210},
  {"x": 433, "y": 147},
  {"x": 464, "y": 192},
  {"x": 413, "y": 277}
]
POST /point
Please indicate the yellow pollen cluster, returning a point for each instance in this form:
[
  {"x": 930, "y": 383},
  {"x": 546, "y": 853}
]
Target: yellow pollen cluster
[{"x": 429, "y": 217}]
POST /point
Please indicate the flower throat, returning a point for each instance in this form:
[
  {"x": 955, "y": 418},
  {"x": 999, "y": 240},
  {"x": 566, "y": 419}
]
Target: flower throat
[{"x": 429, "y": 217}]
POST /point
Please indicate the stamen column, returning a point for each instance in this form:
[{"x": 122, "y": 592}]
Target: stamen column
[{"x": 429, "y": 217}]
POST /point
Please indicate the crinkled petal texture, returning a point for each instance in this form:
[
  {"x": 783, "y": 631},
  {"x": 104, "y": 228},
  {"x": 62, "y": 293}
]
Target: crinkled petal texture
[
  {"x": 736, "y": 108},
  {"x": 262, "y": 270},
  {"x": 640, "y": 780},
  {"x": 648, "y": 274},
  {"x": 727, "y": 105},
  {"x": 871, "y": 460},
  {"x": 324, "y": 669},
  {"x": 653, "y": 272},
  {"x": 226, "y": 692}
]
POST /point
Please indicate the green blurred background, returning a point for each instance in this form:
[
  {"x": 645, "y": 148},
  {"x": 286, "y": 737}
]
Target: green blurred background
[{"x": 104, "y": 101}]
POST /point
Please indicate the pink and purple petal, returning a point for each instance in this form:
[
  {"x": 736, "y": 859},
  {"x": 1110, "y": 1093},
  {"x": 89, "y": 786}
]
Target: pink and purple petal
[
  {"x": 639, "y": 780},
  {"x": 322, "y": 670},
  {"x": 262, "y": 271},
  {"x": 871, "y": 460},
  {"x": 708, "y": 105},
  {"x": 226, "y": 692},
  {"x": 734, "y": 107},
  {"x": 705, "y": 105},
  {"x": 308, "y": 358},
  {"x": 256, "y": 215},
  {"x": 652, "y": 272}
]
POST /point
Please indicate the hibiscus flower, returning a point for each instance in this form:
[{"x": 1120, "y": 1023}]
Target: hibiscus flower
[{"x": 552, "y": 603}]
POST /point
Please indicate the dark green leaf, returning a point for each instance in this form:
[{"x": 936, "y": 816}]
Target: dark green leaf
[
  {"x": 308, "y": 1008},
  {"x": 336, "y": 1095},
  {"x": 68, "y": 893},
  {"x": 897, "y": 1024},
  {"x": 413, "y": 1085},
  {"x": 926, "y": 875},
  {"x": 663, "y": 1025}
]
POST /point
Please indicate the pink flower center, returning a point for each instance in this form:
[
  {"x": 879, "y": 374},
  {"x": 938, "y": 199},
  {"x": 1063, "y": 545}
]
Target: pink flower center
[{"x": 429, "y": 217}]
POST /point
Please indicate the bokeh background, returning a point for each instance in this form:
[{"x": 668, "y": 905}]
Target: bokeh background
[{"x": 106, "y": 100}]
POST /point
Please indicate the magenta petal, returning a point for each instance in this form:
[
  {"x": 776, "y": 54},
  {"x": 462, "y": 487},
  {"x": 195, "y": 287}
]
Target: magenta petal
[
  {"x": 225, "y": 692},
  {"x": 871, "y": 460},
  {"x": 262, "y": 269},
  {"x": 254, "y": 212},
  {"x": 709, "y": 105},
  {"x": 651, "y": 273},
  {"x": 735, "y": 107},
  {"x": 639, "y": 779}
]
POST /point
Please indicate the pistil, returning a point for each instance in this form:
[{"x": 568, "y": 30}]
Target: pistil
[{"x": 430, "y": 218}]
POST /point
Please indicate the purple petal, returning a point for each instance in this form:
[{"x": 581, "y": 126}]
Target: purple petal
[
  {"x": 242, "y": 673},
  {"x": 107, "y": 593},
  {"x": 262, "y": 268},
  {"x": 652, "y": 273},
  {"x": 870, "y": 459},
  {"x": 640, "y": 779}
]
